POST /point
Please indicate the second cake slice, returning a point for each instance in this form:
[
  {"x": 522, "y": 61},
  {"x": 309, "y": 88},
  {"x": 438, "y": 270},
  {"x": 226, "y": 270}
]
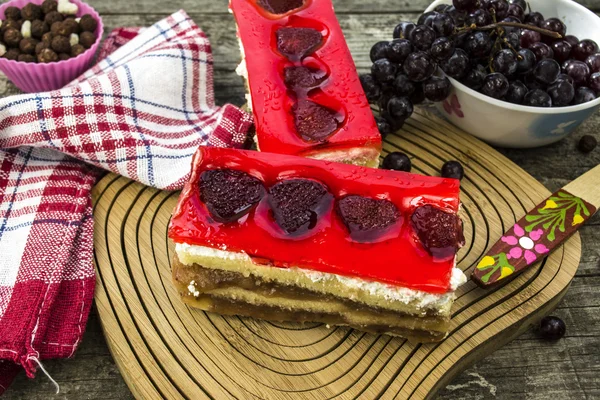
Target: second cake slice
[{"x": 303, "y": 86}]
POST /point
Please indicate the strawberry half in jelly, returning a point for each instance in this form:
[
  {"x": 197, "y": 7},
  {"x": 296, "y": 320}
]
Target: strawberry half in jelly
[
  {"x": 314, "y": 122},
  {"x": 377, "y": 225},
  {"x": 297, "y": 43},
  {"x": 280, "y": 6},
  {"x": 229, "y": 194},
  {"x": 298, "y": 63},
  {"x": 299, "y": 204},
  {"x": 303, "y": 78},
  {"x": 440, "y": 232},
  {"x": 369, "y": 220}
]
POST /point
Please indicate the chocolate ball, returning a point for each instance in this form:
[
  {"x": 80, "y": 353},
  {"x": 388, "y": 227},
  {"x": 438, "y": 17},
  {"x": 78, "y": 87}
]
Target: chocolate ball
[
  {"x": 52, "y": 17},
  {"x": 10, "y": 23},
  {"x": 12, "y": 13},
  {"x": 12, "y": 37},
  {"x": 27, "y": 45},
  {"x": 38, "y": 28},
  {"x": 60, "y": 29},
  {"x": 26, "y": 58},
  {"x": 61, "y": 44},
  {"x": 77, "y": 50},
  {"x": 47, "y": 56},
  {"x": 32, "y": 12},
  {"x": 63, "y": 56},
  {"x": 88, "y": 23},
  {"x": 41, "y": 46},
  {"x": 72, "y": 25},
  {"x": 12, "y": 54},
  {"x": 49, "y": 5},
  {"x": 87, "y": 39},
  {"x": 47, "y": 38}
]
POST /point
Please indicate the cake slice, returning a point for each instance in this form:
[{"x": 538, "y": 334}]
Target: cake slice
[
  {"x": 303, "y": 87},
  {"x": 288, "y": 238}
]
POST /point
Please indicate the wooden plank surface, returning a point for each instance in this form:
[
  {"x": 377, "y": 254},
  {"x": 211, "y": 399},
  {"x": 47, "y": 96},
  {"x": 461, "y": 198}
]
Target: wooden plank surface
[{"x": 526, "y": 368}]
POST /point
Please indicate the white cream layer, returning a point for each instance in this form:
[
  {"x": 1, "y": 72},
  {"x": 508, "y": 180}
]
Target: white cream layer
[{"x": 186, "y": 254}]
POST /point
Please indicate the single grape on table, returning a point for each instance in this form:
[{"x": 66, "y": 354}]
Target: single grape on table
[
  {"x": 453, "y": 169},
  {"x": 587, "y": 144},
  {"x": 500, "y": 48}
]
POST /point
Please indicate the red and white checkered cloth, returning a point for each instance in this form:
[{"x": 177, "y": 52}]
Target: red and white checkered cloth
[{"x": 141, "y": 112}]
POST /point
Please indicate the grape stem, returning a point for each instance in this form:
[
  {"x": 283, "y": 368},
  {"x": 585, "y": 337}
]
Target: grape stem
[
  {"x": 490, "y": 27},
  {"x": 512, "y": 49},
  {"x": 493, "y": 12}
]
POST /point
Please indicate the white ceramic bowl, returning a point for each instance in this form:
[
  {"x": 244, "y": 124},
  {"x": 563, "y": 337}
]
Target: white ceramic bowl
[{"x": 509, "y": 125}]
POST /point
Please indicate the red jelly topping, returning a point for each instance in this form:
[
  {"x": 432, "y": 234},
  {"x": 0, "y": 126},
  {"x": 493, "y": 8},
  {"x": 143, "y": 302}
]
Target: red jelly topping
[
  {"x": 389, "y": 250},
  {"x": 278, "y": 35}
]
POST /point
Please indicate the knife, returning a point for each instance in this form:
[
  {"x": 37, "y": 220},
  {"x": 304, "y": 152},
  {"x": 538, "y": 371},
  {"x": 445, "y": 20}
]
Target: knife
[{"x": 541, "y": 231}]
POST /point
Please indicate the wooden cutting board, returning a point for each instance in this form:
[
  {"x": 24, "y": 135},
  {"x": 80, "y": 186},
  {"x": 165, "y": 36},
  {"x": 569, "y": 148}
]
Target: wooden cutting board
[{"x": 166, "y": 350}]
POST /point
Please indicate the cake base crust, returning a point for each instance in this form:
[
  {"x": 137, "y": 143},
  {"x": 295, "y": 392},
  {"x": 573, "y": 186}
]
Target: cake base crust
[{"x": 276, "y": 314}]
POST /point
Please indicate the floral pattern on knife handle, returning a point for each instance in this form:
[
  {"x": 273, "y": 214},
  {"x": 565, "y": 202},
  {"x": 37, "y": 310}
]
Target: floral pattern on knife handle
[{"x": 533, "y": 237}]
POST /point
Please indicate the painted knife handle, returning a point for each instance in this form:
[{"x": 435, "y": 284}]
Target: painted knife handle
[{"x": 534, "y": 236}]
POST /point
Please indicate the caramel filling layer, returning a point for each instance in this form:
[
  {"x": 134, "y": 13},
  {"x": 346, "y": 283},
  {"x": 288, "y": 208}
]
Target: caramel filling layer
[{"x": 214, "y": 281}]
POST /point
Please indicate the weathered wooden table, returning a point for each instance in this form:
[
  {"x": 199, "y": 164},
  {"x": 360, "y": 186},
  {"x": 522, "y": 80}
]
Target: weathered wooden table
[{"x": 526, "y": 368}]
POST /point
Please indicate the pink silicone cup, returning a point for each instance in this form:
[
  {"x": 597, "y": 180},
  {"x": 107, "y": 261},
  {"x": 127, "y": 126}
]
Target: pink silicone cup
[{"x": 32, "y": 77}]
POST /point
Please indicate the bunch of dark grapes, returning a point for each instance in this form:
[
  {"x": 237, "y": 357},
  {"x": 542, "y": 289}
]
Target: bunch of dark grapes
[{"x": 493, "y": 46}]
